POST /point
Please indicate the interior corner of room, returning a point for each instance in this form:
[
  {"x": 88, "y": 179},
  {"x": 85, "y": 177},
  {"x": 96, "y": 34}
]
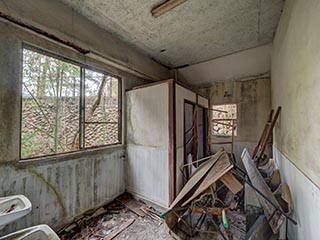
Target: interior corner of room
[{"x": 160, "y": 119}]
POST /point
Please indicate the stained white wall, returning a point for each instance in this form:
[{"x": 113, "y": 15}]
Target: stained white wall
[
  {"x": 296, "y": 86},
  {"x": 147, "y": 165},
  {"x": 244, "y": 64}
]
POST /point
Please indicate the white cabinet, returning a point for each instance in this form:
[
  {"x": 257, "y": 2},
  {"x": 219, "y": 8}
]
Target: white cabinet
[{"x": 156, "y": 119}]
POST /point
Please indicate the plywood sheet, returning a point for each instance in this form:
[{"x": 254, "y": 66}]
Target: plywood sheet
[
  {"x": 276, "y": 218},
  {"x": 198, "y": 175},
  {"x": 221, "y": 166},
  {"x": 148, "y": 173}
]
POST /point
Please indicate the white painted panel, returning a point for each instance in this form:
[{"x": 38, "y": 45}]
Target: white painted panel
[
  {"x": 148, "y": 143},
  {"x": 306, "y": 200},
  {"x": 204, "y": 102},
  {"x": 148, "y": 174},
  {"x": 148, "y": 116}
]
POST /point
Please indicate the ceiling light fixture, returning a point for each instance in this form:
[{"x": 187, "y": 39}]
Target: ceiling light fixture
[{"x": 165, "y": 7}]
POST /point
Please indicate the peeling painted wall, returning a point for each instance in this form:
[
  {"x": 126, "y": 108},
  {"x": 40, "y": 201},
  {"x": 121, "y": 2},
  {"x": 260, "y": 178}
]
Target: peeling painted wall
[
  {"x": 296, "y": 86},
  {"x": 61, "y": 190},
  {"x": 61, "y": 187},
  {"x": 253, "y": 106}
]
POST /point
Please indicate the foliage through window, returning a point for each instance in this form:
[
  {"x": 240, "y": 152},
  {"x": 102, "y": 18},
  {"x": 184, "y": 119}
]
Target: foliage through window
[
  {"x": 224, "y": 118},
  {"x": 66, "y": 107}
]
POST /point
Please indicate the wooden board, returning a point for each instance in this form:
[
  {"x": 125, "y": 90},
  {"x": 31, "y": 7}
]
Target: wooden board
[
  {"x": 213, "y": 211},
  {"x": 231, "y": 182},
  {"x": 222, "y": 166},
  {"x": 276, "y": 219},
  {"x": 120, "y": 229},
  {"x": 197, "y": 176},
  {"x": 133, "y": 205}
]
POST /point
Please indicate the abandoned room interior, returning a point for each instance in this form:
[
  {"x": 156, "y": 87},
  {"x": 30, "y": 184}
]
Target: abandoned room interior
[{"x": 159, "y": 119}]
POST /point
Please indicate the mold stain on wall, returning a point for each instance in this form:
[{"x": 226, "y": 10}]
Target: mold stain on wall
[{"x": 59, "y": 191}]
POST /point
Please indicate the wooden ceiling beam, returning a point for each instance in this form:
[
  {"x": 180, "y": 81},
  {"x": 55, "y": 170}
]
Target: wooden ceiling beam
[{"x": 165, "y": 7}]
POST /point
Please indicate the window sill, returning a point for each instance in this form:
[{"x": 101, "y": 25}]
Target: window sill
[{"x": 90, "y": 152}]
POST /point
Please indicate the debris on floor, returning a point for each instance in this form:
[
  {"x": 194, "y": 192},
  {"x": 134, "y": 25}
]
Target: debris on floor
[
  {"x": 273, "y": 197},
  {"x": 124, "y": 218},
  {"x": 209, "y": 205}
]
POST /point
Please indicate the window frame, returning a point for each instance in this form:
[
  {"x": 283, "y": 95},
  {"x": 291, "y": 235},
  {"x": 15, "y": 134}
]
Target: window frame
[
  {"x": 82, "y": 122},
  {"x": 231, "y": 119}
]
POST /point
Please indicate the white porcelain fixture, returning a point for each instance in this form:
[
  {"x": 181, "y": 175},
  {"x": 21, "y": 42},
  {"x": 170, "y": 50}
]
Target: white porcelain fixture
[
  {"x": 12, "y": 208},
  {"x": 39, "y": 232}
]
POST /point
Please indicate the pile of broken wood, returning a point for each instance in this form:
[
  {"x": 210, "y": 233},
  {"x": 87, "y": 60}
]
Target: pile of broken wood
[
  {"x": 216, "y": 187},
  {"x": 273, "y": 195},
  {"x": 264, "y": 178},
  {"x": 213, "y": 190}
]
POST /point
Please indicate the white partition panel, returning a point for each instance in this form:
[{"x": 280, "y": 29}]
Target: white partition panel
[{"x": 148, "y": 143}]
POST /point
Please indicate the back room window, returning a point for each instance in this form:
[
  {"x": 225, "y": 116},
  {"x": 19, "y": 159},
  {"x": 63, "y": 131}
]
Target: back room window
[
  {"x": 64, "y": 110},
  {"x": 224, "y": 118}
]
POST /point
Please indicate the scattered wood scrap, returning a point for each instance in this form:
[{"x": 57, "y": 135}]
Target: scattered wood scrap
[
  {"x": 213, "y": 211},
  {"x": 258, "y": 154},
  {"x": 132, "y": 204},
  {"x": 151, "y": 213},
  {"x": 231, "y": 182},
  {"x": 115, "y": 221},
  {"x": 204, "y": 196},
  {"x": 119, "y": 230}
]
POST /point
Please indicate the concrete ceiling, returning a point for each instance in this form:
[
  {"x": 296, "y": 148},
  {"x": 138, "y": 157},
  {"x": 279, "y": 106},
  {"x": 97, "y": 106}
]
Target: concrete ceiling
[{"x": 195, "y": 31}]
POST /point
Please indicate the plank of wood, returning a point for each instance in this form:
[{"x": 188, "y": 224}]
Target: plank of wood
[
  {"x": 165, "y": 7},
  {"x": 222, "y": 166},
  {"x": 276, "y": 219},
  {"x": 231, "y": 182},
  {"x": 133, "y": 205},
  {"x": 263, "y": 134},
  {"x": 151, "y": 214},
  {"x": 120, "y": 229},
  {"x": 196, "y": 177},
  {"x": 268, "y": 134},
  {"x": 213, "y": 211}
]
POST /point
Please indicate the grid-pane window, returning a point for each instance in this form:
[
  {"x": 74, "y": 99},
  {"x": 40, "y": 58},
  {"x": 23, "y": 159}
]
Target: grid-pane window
[
  {"x": 64, "y": 110},
  {"x": 224, "y": 119},
  {"x": 101, "y": 109}
]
